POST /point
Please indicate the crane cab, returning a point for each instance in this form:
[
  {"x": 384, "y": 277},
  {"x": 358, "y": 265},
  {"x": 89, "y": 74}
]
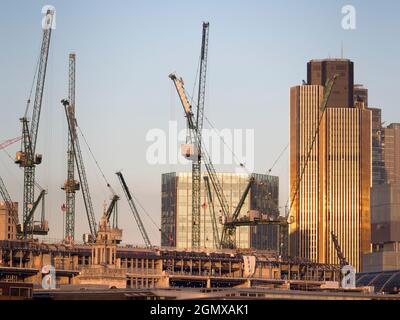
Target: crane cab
[
  {"x": 23, "y": 160},
  {"x": 71, "y": 185},
  {"x": 189, "y": 151}
]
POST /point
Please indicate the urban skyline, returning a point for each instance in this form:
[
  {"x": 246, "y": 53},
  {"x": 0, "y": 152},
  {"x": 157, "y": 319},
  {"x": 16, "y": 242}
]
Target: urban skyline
[
  {"x": 54, "y": 145},
  {"x": 260, "y": 163}
]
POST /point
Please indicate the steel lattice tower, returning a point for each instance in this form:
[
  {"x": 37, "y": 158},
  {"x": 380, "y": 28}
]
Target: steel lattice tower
[{"x": 70, "y": 185}]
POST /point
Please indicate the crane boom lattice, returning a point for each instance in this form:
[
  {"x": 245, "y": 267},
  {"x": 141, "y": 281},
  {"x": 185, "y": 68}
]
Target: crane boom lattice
[{"x": 134, "y": 210}]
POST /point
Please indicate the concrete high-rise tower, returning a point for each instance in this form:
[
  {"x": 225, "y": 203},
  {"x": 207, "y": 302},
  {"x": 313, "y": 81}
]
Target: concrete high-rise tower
[{"x": 334, "y": 192}]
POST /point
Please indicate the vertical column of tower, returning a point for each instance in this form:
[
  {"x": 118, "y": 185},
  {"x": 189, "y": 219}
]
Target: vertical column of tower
[{"x": 71, "y": 185}]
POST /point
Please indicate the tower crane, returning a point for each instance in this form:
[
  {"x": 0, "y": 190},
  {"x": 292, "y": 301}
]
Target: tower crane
[
  {"x": 228, "y": 235},
  {"x": 112, "y": 208},
  {"x": 282, "y": 223},
  {"x": 179, "y": 85},
  {"x": 27, "y": 158},
  {"x": 134, "y": 210},
  {"x": 193, "y": 150},
  {"x": 234, "y": 222},
  {"x": 71, "y": 120},
  {"x": 70, "y": 185}
]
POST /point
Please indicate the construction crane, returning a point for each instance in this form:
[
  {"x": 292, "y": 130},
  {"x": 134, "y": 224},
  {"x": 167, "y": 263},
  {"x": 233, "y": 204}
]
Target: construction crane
[
  {"x": 342, "y": 260},
  {"x": 70, "y": 185},
  {"x": 296, "y": 185},
  {"x": 27, "y": 158},
  {"x": 283, "y": 223},
  {"x": 228, "y": 233},
  {"x": 229, "y": 221},
  {"x": 193, "y": 149},
  {"x": 179, "y": 85},
  {"x": 112, "y": 208},
  {"x": 71, "y": 121},
  {"x": 134, "y": 210}
]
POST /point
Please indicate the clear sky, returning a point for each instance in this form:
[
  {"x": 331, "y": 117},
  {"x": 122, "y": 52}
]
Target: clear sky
[{"x": 125, "y": 51}]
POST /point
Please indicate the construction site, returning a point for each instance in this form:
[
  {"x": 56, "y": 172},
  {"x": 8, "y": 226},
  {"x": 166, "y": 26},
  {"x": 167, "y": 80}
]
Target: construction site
[{"x": 99, "y": 266}]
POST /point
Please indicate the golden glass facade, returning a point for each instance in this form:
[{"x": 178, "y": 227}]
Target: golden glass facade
[{"x": 334, "y": 192}]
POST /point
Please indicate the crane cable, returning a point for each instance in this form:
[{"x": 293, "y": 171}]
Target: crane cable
[
  {"x": 28, "y": 101},
  {"x": 144, "y": 210},
  {"x": 223, "y": 141},
  {"x": 108, "y": 184},
  {"x": 95, "y": 160},
  {"x": 277, "y": 159}
]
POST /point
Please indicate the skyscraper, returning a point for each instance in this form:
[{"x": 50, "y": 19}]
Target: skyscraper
[
  {"x": 333, "y": 193},
  {"x": 385, "y": 207}
]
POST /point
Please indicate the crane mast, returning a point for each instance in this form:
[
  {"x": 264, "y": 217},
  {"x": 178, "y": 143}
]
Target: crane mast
[
  {"x": 134, "y": 210},
  {"x": 71, "y": 120},
  {"x": 70, "y": 185},
  {"x": 196, "y": 164},
  {"x": 27, "y": 158}
]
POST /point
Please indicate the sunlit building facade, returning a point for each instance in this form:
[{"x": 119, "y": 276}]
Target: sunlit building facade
[
  {"x": 8, "y": 229},
  {"x": 331, "y": 193}
]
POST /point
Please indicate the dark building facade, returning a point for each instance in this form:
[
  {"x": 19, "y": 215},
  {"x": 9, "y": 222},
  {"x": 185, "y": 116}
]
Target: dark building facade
[
  {"x": 361, "y": 94},
  {"x": 319, "y": 71},
  {"x": 378, "y": 166}
]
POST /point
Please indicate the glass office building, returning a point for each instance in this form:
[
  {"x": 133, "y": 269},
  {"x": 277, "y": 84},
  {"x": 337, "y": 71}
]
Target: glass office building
[{"x": 176, "y": 215}]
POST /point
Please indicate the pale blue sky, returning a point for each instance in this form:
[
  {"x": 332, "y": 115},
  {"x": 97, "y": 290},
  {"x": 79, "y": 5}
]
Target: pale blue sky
[{"x": 125, "y": 51}]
